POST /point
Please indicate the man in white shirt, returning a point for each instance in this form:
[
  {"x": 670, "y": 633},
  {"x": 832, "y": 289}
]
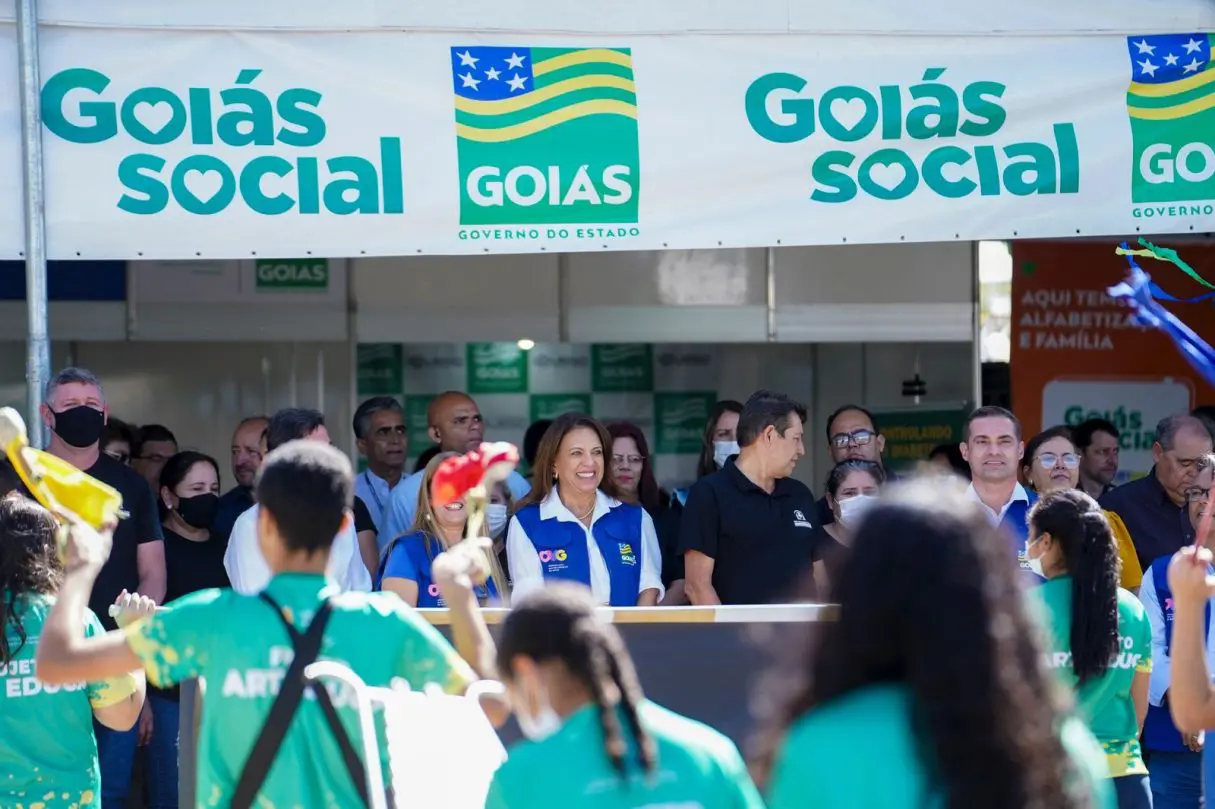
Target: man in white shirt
[
  {"x": 994, "y": 449},
  {"x": 246, "y": 566},
  {"x": 456, "y": 425}
]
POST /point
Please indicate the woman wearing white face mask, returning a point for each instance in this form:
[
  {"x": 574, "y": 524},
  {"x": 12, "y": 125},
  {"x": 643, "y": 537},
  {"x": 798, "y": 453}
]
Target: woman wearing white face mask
[
  {"x": 405, "y": 568},
  {"x": 853, "y": 487},
  {"x": 719, "y": 444},
  {"x": 594, "y": 741}
]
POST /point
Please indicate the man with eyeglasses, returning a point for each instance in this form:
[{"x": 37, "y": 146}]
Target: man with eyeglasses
[
  {"x": 1153, "y": 507},
  {"x": 852, "y": 434}
]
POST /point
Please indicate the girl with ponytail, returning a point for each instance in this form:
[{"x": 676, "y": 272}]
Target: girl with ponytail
[
  {"x": 595, "y": 742},
  {"x": 1100, "y": 636}
]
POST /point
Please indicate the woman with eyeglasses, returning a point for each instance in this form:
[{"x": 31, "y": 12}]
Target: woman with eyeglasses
[
  {"x": 1174, "y": 758},
  {"x": 1051, "y": 462}
]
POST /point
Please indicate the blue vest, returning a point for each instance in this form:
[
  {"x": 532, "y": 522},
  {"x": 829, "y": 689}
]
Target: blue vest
[
  {"x": 1159, "y": 732},
  {"x": 564, "y": 555},
  {"x": 1015, "y": 522},
  {"x": 421, "y": 550}
]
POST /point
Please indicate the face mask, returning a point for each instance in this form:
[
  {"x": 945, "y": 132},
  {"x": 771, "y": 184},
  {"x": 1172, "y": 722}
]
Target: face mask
[
  {"x": 852, "y": 509},
  {"x": 722, "y": 450},
  {"x": 495, "y": 519},
  {"x": 79, "y": 426},
  {"x": 545, "y": 723},
  {"x": 1036, "y": 566},
  {"x": 198, "y": 511}
]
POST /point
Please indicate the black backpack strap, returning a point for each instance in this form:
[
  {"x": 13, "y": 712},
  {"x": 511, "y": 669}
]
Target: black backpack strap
[{"x": 307, "y": 648}]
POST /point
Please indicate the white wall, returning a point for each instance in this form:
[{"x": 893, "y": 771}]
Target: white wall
[{"x": 197, "y": 346}]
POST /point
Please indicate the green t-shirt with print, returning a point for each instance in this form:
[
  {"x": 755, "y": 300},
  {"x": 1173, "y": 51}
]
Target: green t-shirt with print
[
  {"x": 1105, "y": 702},
  {"x": 862, "y": 751},
  {"x": 48, "y": 754},
  {"x": 242, "y": 650},
  {"x": 698, "y": 768}
]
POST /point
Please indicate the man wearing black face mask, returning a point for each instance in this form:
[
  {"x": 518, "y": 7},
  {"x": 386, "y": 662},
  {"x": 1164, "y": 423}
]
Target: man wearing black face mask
[{"x": 74, "y": 409}]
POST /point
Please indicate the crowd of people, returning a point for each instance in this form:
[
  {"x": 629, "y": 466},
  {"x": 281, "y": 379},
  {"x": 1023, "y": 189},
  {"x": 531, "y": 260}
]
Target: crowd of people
[{"x": 936, "y": 647}]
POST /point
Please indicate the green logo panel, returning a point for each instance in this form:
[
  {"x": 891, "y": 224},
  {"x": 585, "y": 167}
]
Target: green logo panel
[
  {"x": 380, "y": 369},
  {"x": 622, "y": 368},
  {"x": 546, "y": 135},
  {"x": 496, "y": 368},
  {"x": 679, "y": 421},
  {"x": 1171, "y": 106},
  {"x": 552, "y": 405}
]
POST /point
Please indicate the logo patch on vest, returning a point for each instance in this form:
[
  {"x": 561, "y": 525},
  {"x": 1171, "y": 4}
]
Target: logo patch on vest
[
  {"x": 554, "y": 561},
  {"x": 799, "y": 520},
  {"x": 627, "y": 557}
]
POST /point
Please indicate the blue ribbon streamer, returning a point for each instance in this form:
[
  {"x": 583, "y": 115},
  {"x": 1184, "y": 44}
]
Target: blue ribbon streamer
[{"x": 1141, "y": 293}]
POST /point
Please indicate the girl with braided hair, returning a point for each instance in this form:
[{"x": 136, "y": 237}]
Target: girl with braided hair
[
  {"x": 595, "y": 742},
  {"x": 1100, "y": 636}
]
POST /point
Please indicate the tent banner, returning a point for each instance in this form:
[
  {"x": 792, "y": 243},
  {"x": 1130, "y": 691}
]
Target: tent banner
[{"x": 178, "y": 144}]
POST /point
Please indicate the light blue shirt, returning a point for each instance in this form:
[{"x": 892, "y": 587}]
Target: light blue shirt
[
  {"x": 403, "y": 505},
  {"x": 375, "y": 493}
]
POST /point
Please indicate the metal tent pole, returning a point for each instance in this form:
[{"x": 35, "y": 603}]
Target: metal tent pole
[{"x": 38, "y": 346}]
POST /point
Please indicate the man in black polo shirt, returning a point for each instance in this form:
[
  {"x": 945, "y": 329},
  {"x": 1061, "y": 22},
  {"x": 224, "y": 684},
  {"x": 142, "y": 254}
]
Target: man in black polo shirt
[
  {"x": 1154, "y": 506},
  {"x": 747, "y": 532},
  {"x": 74, "y": 409}
]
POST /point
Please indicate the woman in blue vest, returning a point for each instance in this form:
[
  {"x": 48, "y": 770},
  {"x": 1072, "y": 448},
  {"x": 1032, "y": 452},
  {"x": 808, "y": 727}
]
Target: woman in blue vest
[
  {"x": 573, "y": 527},
  {"x": 1174, "y": 759},
  {"x": 405, "y": 565}
]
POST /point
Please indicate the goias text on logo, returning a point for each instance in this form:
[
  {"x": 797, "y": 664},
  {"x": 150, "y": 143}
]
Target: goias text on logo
[{"x": 79, "y": 105}]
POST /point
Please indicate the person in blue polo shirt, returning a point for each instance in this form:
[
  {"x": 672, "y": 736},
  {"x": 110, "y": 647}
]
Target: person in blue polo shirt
[
  {"x": 574, "y": 527},
  {"x": 992, "y": 445},
  {"x": 1174, "y": 758},
  {"x": 405, "y": 567}
]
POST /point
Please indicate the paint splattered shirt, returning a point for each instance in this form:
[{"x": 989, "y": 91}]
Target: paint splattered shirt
[
  {"x": 241, "y": 649},
  {"x": 1104, "y": 702},
  {"x": 48, "y": 754}
]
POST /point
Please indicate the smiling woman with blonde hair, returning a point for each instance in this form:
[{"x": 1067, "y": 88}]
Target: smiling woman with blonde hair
[{"x": 405, "y": 565}]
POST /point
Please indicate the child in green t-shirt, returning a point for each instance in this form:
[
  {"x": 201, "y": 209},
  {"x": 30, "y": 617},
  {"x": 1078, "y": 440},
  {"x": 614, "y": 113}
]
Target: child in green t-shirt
[
  {"x": 242, "y": 646},
  {"x": 48, "y": 753}
]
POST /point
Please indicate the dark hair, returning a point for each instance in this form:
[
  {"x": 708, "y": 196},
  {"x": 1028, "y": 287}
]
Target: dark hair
[
  {"x": 763, "y": 410},
  {"x": 991, "y": 412},
  {"x": 953, "y": 454},
  {"x": 950, "y": 625},
  {"x": 1034, "y": 444},
  {"x": 560, "y": 623},
  {"x": 850, "y": 408},
  {"x": 546, "y": 457},
  {"x": 425, "y": 457},
  {"x": 705, "y": 464},
  {"x": 292, "y": 423},
  {"x": 531, "y": 440},
  {"x": 649, "y": 496},
  {"x": 1168, "y": 427},
  {"x": 28, "y": 564},
  {"x": 118, "y": 430},
  {"x": 307, "y": 487},
  {"x": 376, "y": 404},
  {"x": 845, "y": 468},
  {"x": 155, "y": 432},
  {"x": 177, "y": 467},
  {"x": 1082, "y": 433},
  {"x": 1078, "y": 524}
]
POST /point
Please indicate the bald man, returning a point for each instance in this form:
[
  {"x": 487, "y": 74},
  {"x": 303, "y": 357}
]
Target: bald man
[
  {"x": 246, "y": 460},
  {"x": 455, "y": 425}
]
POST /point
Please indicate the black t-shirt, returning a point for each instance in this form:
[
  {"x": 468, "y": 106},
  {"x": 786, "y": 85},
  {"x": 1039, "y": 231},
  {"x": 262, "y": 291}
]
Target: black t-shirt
[
  {"x": 362, "y": 517},
  {"x": 762, "y": 544},
  {"x": 142, "y": 525},
  {"x": 192, "y": 566}
]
